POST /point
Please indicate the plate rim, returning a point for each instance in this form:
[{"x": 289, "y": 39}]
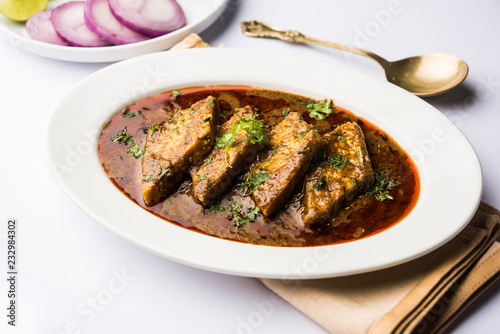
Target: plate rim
[{"x": 299, "y": 255}]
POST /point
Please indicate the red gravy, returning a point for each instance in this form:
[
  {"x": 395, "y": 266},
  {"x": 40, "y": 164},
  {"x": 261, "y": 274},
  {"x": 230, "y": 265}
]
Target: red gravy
[{"x": 364, "y": 216}]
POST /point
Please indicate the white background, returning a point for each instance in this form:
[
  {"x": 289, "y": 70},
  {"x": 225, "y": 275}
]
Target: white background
[{"x": 67, "y": 261}]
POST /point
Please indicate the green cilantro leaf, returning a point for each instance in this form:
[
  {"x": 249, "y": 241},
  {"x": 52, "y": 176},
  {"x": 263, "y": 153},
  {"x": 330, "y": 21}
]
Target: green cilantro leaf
[
  {"x": 154, "y": 127},
  {"x": 122, "y": 138},
  {"x": 135, "y": 151},
  {"x": 254, "y": 180},
  {"x": 242, "y": 218},
  {"x": 253, "y": 131},
  {"x": 127, "y": 114},
  {"x": 319, "y": 110},
  {"x": 382, "y": 186},
  {"x": 320, "y": 184},
  {"x": 338, "y": 161},
  {"x": 214, "y": 207}
]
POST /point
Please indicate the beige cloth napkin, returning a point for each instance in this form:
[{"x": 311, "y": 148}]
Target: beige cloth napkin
[
  {"x": 191, "y": 41},
  {"x": 421, "y": 296}
]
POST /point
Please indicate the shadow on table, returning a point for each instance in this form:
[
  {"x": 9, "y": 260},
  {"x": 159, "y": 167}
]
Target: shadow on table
[
  {"x": 223, "y": 21},
  {"x": 461, "y": 96}
]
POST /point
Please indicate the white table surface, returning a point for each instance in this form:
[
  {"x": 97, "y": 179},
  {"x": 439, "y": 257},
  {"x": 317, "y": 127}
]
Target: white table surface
[{"x": 67, "y": 260}]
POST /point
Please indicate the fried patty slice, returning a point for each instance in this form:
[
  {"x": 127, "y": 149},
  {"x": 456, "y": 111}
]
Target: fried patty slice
[
  {"x": 219, "y": 171},
  {"x": 174, "y": 146},
  {"x": 344, "y": 173},
  {"x": 293, "y": 144}
]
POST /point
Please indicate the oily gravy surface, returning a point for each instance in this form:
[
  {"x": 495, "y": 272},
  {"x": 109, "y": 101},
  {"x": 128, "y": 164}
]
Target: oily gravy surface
[{"x": 364, "y": 216}]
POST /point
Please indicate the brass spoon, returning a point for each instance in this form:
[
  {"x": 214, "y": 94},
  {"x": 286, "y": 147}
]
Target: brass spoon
[{"x": 426, "y": 75}]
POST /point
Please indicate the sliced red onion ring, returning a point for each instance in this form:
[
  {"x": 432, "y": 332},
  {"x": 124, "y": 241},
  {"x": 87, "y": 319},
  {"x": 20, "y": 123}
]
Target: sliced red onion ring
[
  {"x": 69, "y": 23},
  {"x": 149, "y": 17},
  {"x": 40, "y": 27},
  {"x": 99, "y": 19}
]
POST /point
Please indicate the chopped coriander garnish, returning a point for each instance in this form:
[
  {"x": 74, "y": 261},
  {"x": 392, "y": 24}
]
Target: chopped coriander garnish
[
  {"x": 214, "y": 207},
  {"x": 207, "y": 161},
  {"x": 147, "y": 177},
  {"x": 121, "y": 158},
  {"x": 122, "y": 138},
  {"x": 208, "y": 119},
  {"x": 191, "y": 110},
  {"x": 173, "y": 129},
  {"x": 382, "y": 186},
  {"x": 203, "y": 177},
  {"x": 318, "y": 185},
  {"x": 209, "y": 103},
  {"x": 253, "y": 129},
  {"x": 252, "y": 214},
  {"x": 176, "y": 93},
  {"x": 254, "y": 180},
  {"x": 360, "y": 152},
  {"x": 127, "y": 113},
  {"x": 286, "y": 111},
  {"x": 145, "y": 129},
  {"x": 342, "y": 138},
  {"x": 154, "y": 128},
  {"x": 235, "y": 208},
  {"x": 319, "y": 110},
  {"x": 337, "y": 161},
  {"x": 135, "y": 151},
  {"x": 303, "y": 133},
  {"x": 242, "y": 218},
  {"x": 177, "y": 110},
  {"x": 253, "y": 132}
]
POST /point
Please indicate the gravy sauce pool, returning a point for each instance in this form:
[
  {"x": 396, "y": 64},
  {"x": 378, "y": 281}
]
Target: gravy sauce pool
[{"x": 364, "y": 216}]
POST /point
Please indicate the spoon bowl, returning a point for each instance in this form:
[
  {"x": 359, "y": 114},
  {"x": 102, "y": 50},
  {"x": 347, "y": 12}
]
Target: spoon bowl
[{"x": 426, "y": 75}]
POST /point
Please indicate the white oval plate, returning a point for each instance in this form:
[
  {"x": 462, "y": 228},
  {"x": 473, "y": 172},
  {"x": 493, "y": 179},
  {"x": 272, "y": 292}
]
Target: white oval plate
[
  {"x": 200, "y": 14},
  {"x": 450, "y": 172}
]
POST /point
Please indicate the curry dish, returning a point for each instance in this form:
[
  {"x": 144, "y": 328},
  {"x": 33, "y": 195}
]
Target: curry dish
[{"x": 259, "y": 166}]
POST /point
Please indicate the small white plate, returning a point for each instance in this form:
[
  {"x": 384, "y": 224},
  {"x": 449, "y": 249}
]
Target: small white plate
[
  {"x": 450, "y": 172},
  {"x": 200, "y": 14}
]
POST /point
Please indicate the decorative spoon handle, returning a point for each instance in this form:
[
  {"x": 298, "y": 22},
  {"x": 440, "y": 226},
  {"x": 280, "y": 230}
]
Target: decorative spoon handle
[
  {"x": 261, "y": 29},
  {"x": 424, "y": 75}
]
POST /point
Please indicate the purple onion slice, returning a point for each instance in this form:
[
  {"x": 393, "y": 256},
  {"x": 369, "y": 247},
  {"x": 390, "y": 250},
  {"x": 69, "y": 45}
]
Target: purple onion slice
[
  {"x": 40, "y": 27},
  {"x": 149, "y": 17},
  {"x": 69, "y": 23},
  {"x": 99, "y": 19}
]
